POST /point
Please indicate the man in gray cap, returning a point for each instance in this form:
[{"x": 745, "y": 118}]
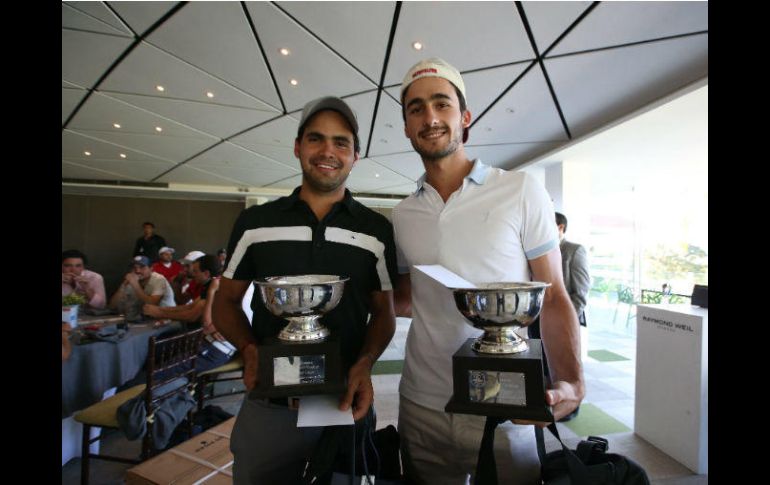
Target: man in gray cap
[
  {"x": 487, "y": 225},
  {"x": 318, "y": 229}
]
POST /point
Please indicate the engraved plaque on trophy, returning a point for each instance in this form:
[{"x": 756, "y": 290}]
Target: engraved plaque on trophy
[
  {"x": 305, "y": 357},
  {"x": 500, "y": 374}
]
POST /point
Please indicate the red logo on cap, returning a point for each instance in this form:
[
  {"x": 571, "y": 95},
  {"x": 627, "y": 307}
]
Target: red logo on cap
[{"x": 423, "y": 71}]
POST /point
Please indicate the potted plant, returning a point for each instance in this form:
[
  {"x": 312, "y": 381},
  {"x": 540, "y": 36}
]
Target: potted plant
[{"x": 70, "y": 305}]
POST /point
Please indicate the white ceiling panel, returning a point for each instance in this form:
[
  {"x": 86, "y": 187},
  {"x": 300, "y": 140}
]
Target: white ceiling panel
[
  {"x": 217, "y": 28},
  {"x": 69, "y": 99},
  {"x": 229, "y": 155},
  {"x": 288, "y": 184},
  {"x": 468, "y": 35},
  {"x": 192, "y": 175},
  {"x": 140, "y": 16},
  {"x": 173, "y": 148},
  {"x": 371, "y": 172},
  {"x": 66, "y": 84},
  {"x": 409, "y": 164},
  {"x": 600, "y": 86},
  {"x": 525, "y": 114},
  {"x": 389, "y": 134},
  {"x": 310, "y": 63},
  {"x": 279, "y": 132},
  {"x": 141, "y": 170},
  {"x": 74, "y": 170},
  {"x": 74, "y": 146},
  {"x": 100, "y": 112},
  {"x": 508, "y": 156},
  {"x": 367, "y": 22},
  {"x": 251, "y": 177},
  {"x": 214, "y": 119},
  {"x": 147, "y": 67},
  {"x": 93, "y": 17},
  {"x": 549, "y": 20},
  {"x": 363, "y": 107},
  {"x": 86, "y": 56},
  {"x": 615, "y": 23}
]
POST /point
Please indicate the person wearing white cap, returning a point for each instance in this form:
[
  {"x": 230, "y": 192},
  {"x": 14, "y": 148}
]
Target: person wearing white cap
[
  {"x": 486, "y": 225},
  {"x": 165, "y": 265},
  {"x": 186, "y": 289},
  {"x": 318, "y": 229}
]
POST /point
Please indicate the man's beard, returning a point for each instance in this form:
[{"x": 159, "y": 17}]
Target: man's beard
[
  {"x": 324, "y": 184},
  {"x": 439, "y": 153}
]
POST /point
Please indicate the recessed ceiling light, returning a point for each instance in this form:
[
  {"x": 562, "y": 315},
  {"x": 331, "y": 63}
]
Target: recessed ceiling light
[
  {"x": 122, "y": 155},
  {"x": 510, "y": 110},
  {"x": 417, "y": 46},
  {"x": 388, "y": 125},
  {"x": 284, "y": 51},
  {"x": 210, "y": 94},
  {"x": 160, "y": 88},
  {"x": 383, "y": 140},
  {"x": 88, "y": 154},
  {"x": 293, "y": 82},
  {"x": 158, "y": 129},
  {"x": 377, "y": 175},
  {"x": 489, "y": 129},
  {"x": 116, "y": 125}
]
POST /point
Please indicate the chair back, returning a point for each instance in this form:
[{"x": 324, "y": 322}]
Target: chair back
[{"x": 169, "y": 359}]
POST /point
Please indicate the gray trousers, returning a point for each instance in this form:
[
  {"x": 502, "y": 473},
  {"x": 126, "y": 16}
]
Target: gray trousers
[
  {"x": 267, "y": 446},
  {"x": 443, "y": 448}
]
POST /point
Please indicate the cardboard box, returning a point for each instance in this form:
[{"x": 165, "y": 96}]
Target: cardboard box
[{"x": 204, "y": 459}]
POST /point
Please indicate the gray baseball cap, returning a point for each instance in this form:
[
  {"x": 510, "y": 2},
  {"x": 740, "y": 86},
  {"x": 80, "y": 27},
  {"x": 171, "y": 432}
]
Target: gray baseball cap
[{"x": 328, "y": 102}]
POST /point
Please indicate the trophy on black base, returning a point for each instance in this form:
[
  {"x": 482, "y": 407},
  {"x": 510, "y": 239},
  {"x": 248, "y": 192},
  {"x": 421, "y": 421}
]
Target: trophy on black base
[
  {"x": 500, "y": 374},
  {"x": 304, "y": 359}
]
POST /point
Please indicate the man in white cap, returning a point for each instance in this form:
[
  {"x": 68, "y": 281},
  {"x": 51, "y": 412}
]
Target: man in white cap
[
  {"x": 486, "y": 225},
  {"x": 165, "y": 265},
  {"x": 318, "y": 229},
  {"x": 186, "y": 289}
]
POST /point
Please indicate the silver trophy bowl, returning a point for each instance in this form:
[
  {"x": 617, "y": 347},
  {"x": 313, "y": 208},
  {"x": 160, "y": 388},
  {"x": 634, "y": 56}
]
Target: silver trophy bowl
[
  {"x": 302, "y": 300},
  {"x": 499, "y": 309}
]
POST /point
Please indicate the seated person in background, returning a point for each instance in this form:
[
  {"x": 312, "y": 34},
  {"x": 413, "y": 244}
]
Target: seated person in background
[
  {"x": 141, "y": 286},
  {"x": 186, "y": 289},
  {"x": 76, "y": 279},
  {"x": 66, "y": 346},
  {"x": 165, "y": 265},
  {"x": 205, "y": 272}
]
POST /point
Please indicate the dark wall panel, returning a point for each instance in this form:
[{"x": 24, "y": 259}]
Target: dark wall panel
[{"x": 106, "y": 228}]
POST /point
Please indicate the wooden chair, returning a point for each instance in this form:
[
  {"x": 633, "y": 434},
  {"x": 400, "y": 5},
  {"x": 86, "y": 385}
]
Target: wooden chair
[
  {"x": 167, "y": 359},
  {"x": 219, "y": 374}
]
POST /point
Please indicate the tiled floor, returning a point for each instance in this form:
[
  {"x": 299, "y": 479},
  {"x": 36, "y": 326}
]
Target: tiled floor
[{"x": 610, "y": 388}]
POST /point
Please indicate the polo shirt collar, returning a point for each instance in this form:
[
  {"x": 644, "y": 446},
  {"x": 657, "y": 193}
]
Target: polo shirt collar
[
  {"x": 293, "y": 199},
  {"x": 477, "y": 174}
]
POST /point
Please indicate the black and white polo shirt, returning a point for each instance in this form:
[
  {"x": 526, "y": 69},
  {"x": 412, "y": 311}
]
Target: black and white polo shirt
[{"x": 284, "y": 237}]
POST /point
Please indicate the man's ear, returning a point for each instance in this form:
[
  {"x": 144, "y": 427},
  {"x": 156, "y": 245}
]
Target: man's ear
[
  {"x": 296, "y": 147},
  {"x": 466, "y": 117}
]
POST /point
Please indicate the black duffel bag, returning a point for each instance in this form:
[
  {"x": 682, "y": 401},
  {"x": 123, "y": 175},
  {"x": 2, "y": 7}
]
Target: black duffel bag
[{"x": 589, "y": 464}]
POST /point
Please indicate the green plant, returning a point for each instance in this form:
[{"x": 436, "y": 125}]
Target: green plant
[{"x": 73, "y": 299}]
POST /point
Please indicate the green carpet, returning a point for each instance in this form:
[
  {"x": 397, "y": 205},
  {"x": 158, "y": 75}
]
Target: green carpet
[
  {"x": 593, "y": 421},
  {"x": 388, "y": 367},
  {"x": 606, "y": 356}
]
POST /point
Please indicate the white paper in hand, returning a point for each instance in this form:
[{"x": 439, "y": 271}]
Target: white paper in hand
[
  {"x": 444, "y": 276},
  {"x": 322, "y": 410}
]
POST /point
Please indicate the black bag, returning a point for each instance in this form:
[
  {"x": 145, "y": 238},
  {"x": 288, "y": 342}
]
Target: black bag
[
  {"x": 358, "y": 449},
  {"x": 589, "y": 464}
]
